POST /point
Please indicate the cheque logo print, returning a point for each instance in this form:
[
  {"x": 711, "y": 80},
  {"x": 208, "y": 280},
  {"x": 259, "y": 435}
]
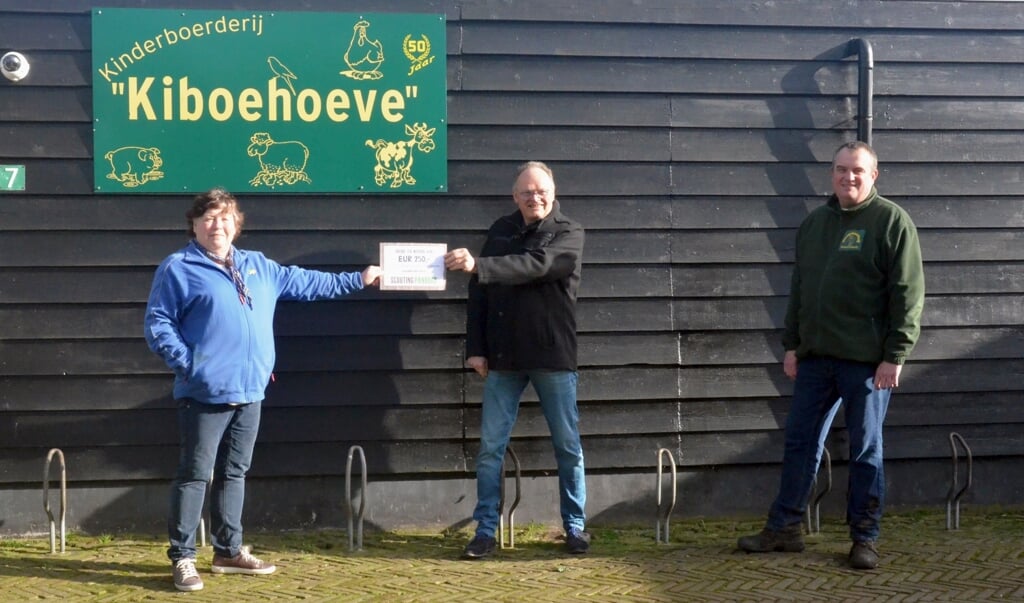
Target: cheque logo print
[
  {"x": 853, "y": 240},
  {"x": 395, "y": 158},
  {"x": 418, "y": 52},
  {"x": 134, "y": 166}
]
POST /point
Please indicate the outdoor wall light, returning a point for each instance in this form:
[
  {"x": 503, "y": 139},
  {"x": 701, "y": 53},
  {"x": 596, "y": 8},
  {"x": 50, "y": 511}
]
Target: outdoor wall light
[{"x": 14, "y": 66}]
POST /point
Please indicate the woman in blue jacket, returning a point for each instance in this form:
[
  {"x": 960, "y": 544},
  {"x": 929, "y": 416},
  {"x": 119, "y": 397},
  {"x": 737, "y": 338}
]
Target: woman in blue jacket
[{"x": 210, "y": 317}]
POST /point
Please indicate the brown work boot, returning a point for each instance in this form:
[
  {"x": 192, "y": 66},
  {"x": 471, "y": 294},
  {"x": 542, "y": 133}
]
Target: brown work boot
[
  {"x": 789, "y": 539},
  {"x": 863, "y": 555}
]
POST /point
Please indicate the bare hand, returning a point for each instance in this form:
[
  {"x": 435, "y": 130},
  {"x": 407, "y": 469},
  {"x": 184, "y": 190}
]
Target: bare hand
[
  {"x": 789, "y": 364},
  {"x": 478, "y": 364},
  {"x": 887, "y": 375},
  {"x": 460, "y": 259},
  {"x": 371, "y": 276}
]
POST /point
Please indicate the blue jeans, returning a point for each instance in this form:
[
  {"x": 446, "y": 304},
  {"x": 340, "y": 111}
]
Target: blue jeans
[
  {"x": 822, "y": 384},
  {"x": 557, "y": 393},
  {"x": 217, "y": 440}
]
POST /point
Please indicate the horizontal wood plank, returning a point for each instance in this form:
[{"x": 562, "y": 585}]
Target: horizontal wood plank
[
  {"x": 130, "y": 463},
  {"x": 914, "y": 15},
  {"x": 126, "y": 357},
  {"x": 25, "y": 393},
  {"x": 279, "y": 425},
  {"x": 767, "y": 313},
  {"x": 796, "y": 179},
  {"x": 750, "y": 347},
  {"x": 568, "y": 144},
  {"x": 777, "y": 246},
  {"x": 356, "y": 250},
  {"x": 771, "y": 144},
  {"x": 554, "y": 109},
  {"x": 131, "y": 284},
  {"x": 818, "y": 112},
  {"x": 690, "y": 41},
  {"x": 922, "y": 376}
]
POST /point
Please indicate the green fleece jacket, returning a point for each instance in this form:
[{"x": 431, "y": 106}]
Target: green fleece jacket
[{"x": 858, "y": 285}]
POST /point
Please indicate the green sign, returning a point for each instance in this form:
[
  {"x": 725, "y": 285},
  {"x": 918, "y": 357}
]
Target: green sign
[
  {"x": 12, "y": 177},
  {"x": 268, "y": 102}
]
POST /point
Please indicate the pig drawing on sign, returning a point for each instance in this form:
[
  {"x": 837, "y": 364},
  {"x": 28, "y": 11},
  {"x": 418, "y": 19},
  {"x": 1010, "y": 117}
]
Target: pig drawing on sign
[{"x": 134, "y": 166}]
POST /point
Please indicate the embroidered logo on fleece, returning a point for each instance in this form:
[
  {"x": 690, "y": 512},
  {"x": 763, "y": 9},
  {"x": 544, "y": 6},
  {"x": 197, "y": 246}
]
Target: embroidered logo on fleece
[{"x": 853, "y": 240}]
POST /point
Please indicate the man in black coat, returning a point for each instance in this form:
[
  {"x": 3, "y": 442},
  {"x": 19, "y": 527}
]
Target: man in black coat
[{"x": 521, "y": 329}]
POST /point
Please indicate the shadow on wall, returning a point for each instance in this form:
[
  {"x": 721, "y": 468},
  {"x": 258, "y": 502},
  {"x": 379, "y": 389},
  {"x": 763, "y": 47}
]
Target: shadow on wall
[
  {"x": 932, "y": 402},
  {"x": 918, "y": 469},
  {"x": 330, "y": 392},
  {"x": 790, "y": 143}
]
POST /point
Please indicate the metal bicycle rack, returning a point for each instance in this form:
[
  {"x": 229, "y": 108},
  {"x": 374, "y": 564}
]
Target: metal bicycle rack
[
  {"x": 664, "y": 514},
  {"x": 826, "y": 464},
  {"x": 955, "y": 491},
  {"x": 509, "y": 452},
  {"x": 355, "y": 540},
  {"x": 56, "y": 452}
]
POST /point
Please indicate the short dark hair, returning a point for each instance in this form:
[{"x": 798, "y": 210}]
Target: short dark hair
[
  {"x": 215, "y": 198},
  {"x": 856, "y": 145}
]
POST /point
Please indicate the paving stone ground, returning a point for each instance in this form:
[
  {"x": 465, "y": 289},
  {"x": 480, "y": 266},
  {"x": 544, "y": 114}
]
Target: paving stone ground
[{"x": 921, "y": 561}]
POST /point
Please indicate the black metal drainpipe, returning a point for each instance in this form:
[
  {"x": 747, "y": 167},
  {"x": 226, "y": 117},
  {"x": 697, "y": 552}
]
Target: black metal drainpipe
[{"x": 865, "y": 89}]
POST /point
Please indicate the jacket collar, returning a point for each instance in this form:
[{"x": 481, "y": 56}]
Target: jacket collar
[
  {"x": 833, "y": 202},
  {"x": 196, "y": 253},
  {"x": 554, "y": 216}
]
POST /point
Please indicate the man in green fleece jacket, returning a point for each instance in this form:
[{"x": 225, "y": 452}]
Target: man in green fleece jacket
[{"x": 854, "y": 315}]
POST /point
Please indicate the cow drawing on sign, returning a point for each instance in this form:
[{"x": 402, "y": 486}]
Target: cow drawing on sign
[
  {"x": 394, "y": 159},
  {"x": 280, "y": 162},
  {"x": 134, "y": 166}
]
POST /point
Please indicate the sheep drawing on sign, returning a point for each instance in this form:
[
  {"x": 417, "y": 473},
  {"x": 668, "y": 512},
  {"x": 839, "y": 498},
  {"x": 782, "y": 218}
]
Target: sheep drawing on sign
[
  {"x": 394, "y": 159},
  {"x": 280, "y": 162}
]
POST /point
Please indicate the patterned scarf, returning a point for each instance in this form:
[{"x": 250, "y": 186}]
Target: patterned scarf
[{"x": 244, "y": 295}]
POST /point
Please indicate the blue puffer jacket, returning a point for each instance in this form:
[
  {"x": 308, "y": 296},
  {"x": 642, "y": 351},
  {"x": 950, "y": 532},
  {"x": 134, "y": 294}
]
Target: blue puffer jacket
[{"x": 221, "y": 350}]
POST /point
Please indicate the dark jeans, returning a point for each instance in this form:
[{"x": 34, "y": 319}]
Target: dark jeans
[
  {"x": 216, "y": 440},
  {"x": 822, "y": 384}
]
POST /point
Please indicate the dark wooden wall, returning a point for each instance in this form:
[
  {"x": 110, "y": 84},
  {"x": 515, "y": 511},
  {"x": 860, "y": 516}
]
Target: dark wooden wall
[{"x": 689, "y": 137}]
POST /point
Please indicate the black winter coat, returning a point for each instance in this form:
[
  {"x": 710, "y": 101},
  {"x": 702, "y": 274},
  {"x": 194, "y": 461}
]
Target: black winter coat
[{"x": 522, "y": 298}]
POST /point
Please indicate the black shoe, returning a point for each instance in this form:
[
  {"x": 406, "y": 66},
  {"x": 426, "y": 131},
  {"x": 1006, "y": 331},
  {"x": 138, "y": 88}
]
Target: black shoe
[
  {"x": 863, "y": 555},
  {"x": 789, "y": 539},
  {"x": 577, "y": 542},
  {"x": 478, "y": 548}
]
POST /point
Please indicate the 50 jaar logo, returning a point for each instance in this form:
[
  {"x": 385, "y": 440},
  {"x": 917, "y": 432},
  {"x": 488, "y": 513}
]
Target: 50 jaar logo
[{"x": 418, "y": 52}]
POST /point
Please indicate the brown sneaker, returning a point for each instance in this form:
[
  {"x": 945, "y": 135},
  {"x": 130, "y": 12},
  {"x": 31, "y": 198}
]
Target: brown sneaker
[
  {"x": 863, "y": 555},
  {"x": 789, "y": 539},
  {"x": 186, "y": 578},
  {"x": 242, "y": 563}
]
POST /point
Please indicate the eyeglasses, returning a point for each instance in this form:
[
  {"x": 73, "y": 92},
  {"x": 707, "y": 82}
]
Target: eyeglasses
[{"x": 531, "y": 194}]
